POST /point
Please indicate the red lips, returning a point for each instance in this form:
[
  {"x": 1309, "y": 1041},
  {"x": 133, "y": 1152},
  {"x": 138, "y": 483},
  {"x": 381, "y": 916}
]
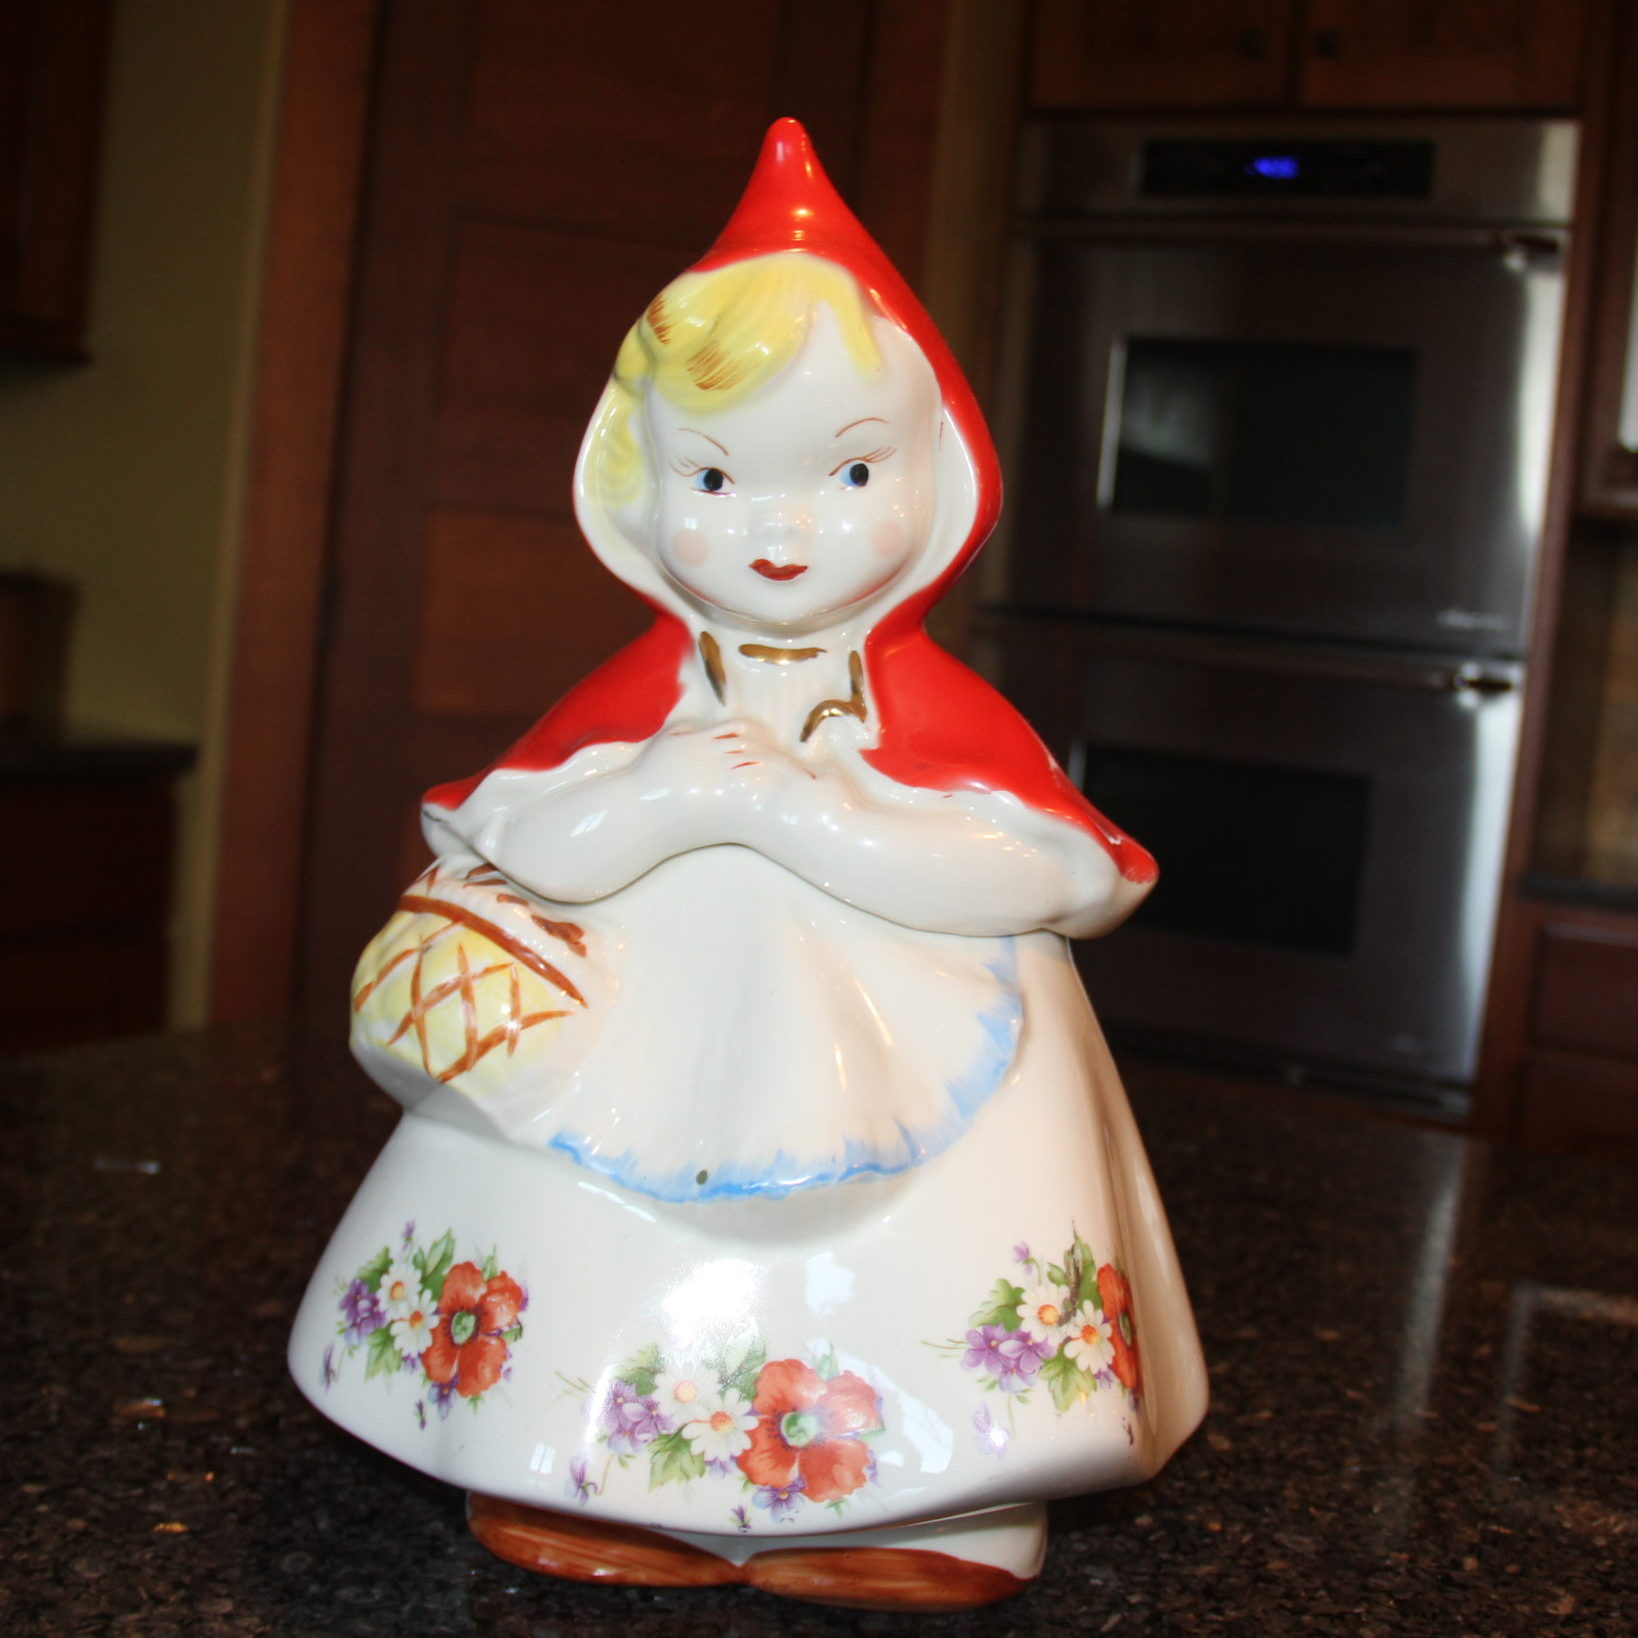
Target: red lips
[{"x": 778, "y": 571}]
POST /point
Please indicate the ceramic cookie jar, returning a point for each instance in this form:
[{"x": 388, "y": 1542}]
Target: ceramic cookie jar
[{"x": 766, "y": 1207}]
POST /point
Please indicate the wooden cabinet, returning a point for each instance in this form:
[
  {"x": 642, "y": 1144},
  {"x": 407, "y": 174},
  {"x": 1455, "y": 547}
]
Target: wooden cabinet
[
  {"x": 1578, "y": 1085},
  {"x": 1561, "y": 1060},
  {"x": 87, "y": 835},
  {"x": 1609, "y": 442},
  {"x": 1307, "y": 54},
  {"x": 1450, "y": 54},
  {"x": 51, "y": 68},
  {"x": 1153, "y": 54}
]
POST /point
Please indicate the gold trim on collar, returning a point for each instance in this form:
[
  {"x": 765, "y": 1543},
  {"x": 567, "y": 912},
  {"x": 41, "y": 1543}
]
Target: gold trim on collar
[
  {"x": 853, "y": 706},
  {"x": 711, "y": 653},
  {"x": 778, "y": 656}
]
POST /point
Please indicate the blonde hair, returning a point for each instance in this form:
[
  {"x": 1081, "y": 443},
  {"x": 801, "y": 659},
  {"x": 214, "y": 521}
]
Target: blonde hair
[{"x": 710, "y": 340}]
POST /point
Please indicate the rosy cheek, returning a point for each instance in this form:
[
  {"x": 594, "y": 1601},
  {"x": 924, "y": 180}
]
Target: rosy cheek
[
  {"x": 690, "y": 547},
  {"x": 887, "y": 538}
]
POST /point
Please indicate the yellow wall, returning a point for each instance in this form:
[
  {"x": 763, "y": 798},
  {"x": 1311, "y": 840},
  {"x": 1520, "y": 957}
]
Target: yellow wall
[{"x": 125, "y": 475}]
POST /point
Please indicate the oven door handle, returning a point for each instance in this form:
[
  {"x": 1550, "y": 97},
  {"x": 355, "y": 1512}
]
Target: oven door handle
[
  {"x": 1534, "y": 247},
  {"x": 1473, "y": 678}
]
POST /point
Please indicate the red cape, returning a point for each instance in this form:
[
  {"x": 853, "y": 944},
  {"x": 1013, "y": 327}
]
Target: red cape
[{"x": 940, "y": 727}]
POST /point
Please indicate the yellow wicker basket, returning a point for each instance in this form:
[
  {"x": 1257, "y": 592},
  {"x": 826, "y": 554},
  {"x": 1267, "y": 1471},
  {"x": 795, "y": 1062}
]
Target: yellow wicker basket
[{"x": 469, "y": 977}]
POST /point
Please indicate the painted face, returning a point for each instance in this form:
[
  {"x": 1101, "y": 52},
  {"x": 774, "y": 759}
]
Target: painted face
[{"x": 806, "y": 499}]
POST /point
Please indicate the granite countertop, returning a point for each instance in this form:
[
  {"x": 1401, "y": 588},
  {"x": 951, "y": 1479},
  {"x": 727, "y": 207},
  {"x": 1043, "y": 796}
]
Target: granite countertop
[{"x": 1423, "y": 1353}]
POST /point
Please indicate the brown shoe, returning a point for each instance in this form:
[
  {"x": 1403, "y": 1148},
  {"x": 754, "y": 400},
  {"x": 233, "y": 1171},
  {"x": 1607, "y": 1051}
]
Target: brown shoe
[
  {"x": 578, "y": 1549},
  {"x": 862, "y": 1578}
]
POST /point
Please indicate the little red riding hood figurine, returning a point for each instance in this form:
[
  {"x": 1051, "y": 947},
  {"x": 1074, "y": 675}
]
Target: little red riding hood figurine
[{"x": 766, "y": 1207}]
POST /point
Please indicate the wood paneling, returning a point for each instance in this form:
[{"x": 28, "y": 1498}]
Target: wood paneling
[
  {"x": 526, "y": 350},
  {"x": 623, "y": 121},
  {"x": 306, "y": 295},
  {"x": 513, "y": 609}
]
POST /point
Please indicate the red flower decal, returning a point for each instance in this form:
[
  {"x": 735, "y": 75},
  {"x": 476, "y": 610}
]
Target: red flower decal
[
  {"x": 811, "y": 1429},
  {"x": 1115, "y": 1292},
  {"x": 468, "y": 1346}
]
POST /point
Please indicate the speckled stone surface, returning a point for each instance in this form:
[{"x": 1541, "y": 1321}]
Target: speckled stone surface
[{"x": 1424, "y": 1362}]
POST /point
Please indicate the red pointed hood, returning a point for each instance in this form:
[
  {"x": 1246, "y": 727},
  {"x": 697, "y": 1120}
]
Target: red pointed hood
[{"x": 790, "y": 204}]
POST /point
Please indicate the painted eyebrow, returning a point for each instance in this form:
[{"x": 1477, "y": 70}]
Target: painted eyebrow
[
  {"x": 859, "y": 423},
  {"x": 706, "y": 436}
]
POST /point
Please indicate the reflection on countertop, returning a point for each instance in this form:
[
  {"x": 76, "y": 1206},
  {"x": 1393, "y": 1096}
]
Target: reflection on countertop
[{"x": 1423, "y": 1352}]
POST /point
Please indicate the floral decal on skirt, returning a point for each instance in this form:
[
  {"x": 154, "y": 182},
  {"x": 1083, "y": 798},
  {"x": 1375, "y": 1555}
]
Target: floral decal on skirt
[
  {"x": 1067, "y": 1328},
  {"x": 415, "y": 1310},
  {"x": 783, "y": 1434}
]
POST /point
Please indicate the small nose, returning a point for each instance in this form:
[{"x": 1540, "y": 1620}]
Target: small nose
[{"x": 784, "y": 523}]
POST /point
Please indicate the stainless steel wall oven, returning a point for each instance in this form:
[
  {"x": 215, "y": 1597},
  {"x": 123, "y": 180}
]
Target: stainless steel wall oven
[{"x": 1277, "y": 426}]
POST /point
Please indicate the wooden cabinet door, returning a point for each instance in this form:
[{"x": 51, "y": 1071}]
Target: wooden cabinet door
[
  {"x": 1162, "y": 54},
  {"x": 52, "y": 55},
  {"x": 1439, "y": 54},
  {"x": 1609, "y": 434},
  {"x": 538, "y": 173},
  {"x": 1159, "y": 55}
]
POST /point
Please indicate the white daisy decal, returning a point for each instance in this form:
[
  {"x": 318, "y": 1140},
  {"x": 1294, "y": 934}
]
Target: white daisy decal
[
  {"x": 400, "y": 1290},
  {"x": 412, "y": 1335},
  {"x": 1043, "y": 1314},
  {"x": 1090, "y": 1342},
  {"x": 684, "y": 1395},
  {"x": 724, "y": 1430}
]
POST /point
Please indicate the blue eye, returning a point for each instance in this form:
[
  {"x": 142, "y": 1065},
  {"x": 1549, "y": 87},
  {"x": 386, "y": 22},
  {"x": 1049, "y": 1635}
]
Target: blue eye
[
  {"x": 857, "y": 475},
  {"x": 710, "y": 479}
]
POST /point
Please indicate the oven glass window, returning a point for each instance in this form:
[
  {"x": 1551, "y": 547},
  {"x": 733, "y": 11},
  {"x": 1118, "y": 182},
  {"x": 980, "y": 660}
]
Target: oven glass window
[
  {"x": 1253, "y": 853},
  {"x": 1264, "y": 433}
]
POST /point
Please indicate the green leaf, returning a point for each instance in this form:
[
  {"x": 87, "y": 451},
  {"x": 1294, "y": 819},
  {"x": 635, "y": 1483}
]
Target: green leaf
[
  {"x": 1055, "y": 1273},
  {"x": 741, "y": 1365},
  {"x": 1069, "y": 1383},
  {"x": 672, "y": 1460},
  {"x": 381, "y": 1354},
  {"x": 1000, "y": 1307},
  {"x": 642, "y": 1368},
  {"x": 513, "y": 1334},
  {"x": 375, "y": 1269},
  {"x": 1081, "y": 1268},
  {"x": 491, "y": 1264},
  {"x": 828, "y": 1365},
  {"x": 440, "y": 1255}
]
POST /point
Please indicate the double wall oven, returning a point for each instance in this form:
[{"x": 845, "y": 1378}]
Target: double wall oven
[{"x": 1276, "y": 418}]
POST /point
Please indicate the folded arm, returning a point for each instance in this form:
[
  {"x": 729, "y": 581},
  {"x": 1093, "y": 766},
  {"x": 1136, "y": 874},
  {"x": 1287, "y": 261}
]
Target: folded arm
[{"x": 979, "y": 863}]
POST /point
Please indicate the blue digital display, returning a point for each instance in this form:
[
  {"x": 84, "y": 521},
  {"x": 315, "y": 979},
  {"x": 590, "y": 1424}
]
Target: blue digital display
[
  {"x": 1276, "y": 167},
  {"x": 1271, "y": 167}
]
